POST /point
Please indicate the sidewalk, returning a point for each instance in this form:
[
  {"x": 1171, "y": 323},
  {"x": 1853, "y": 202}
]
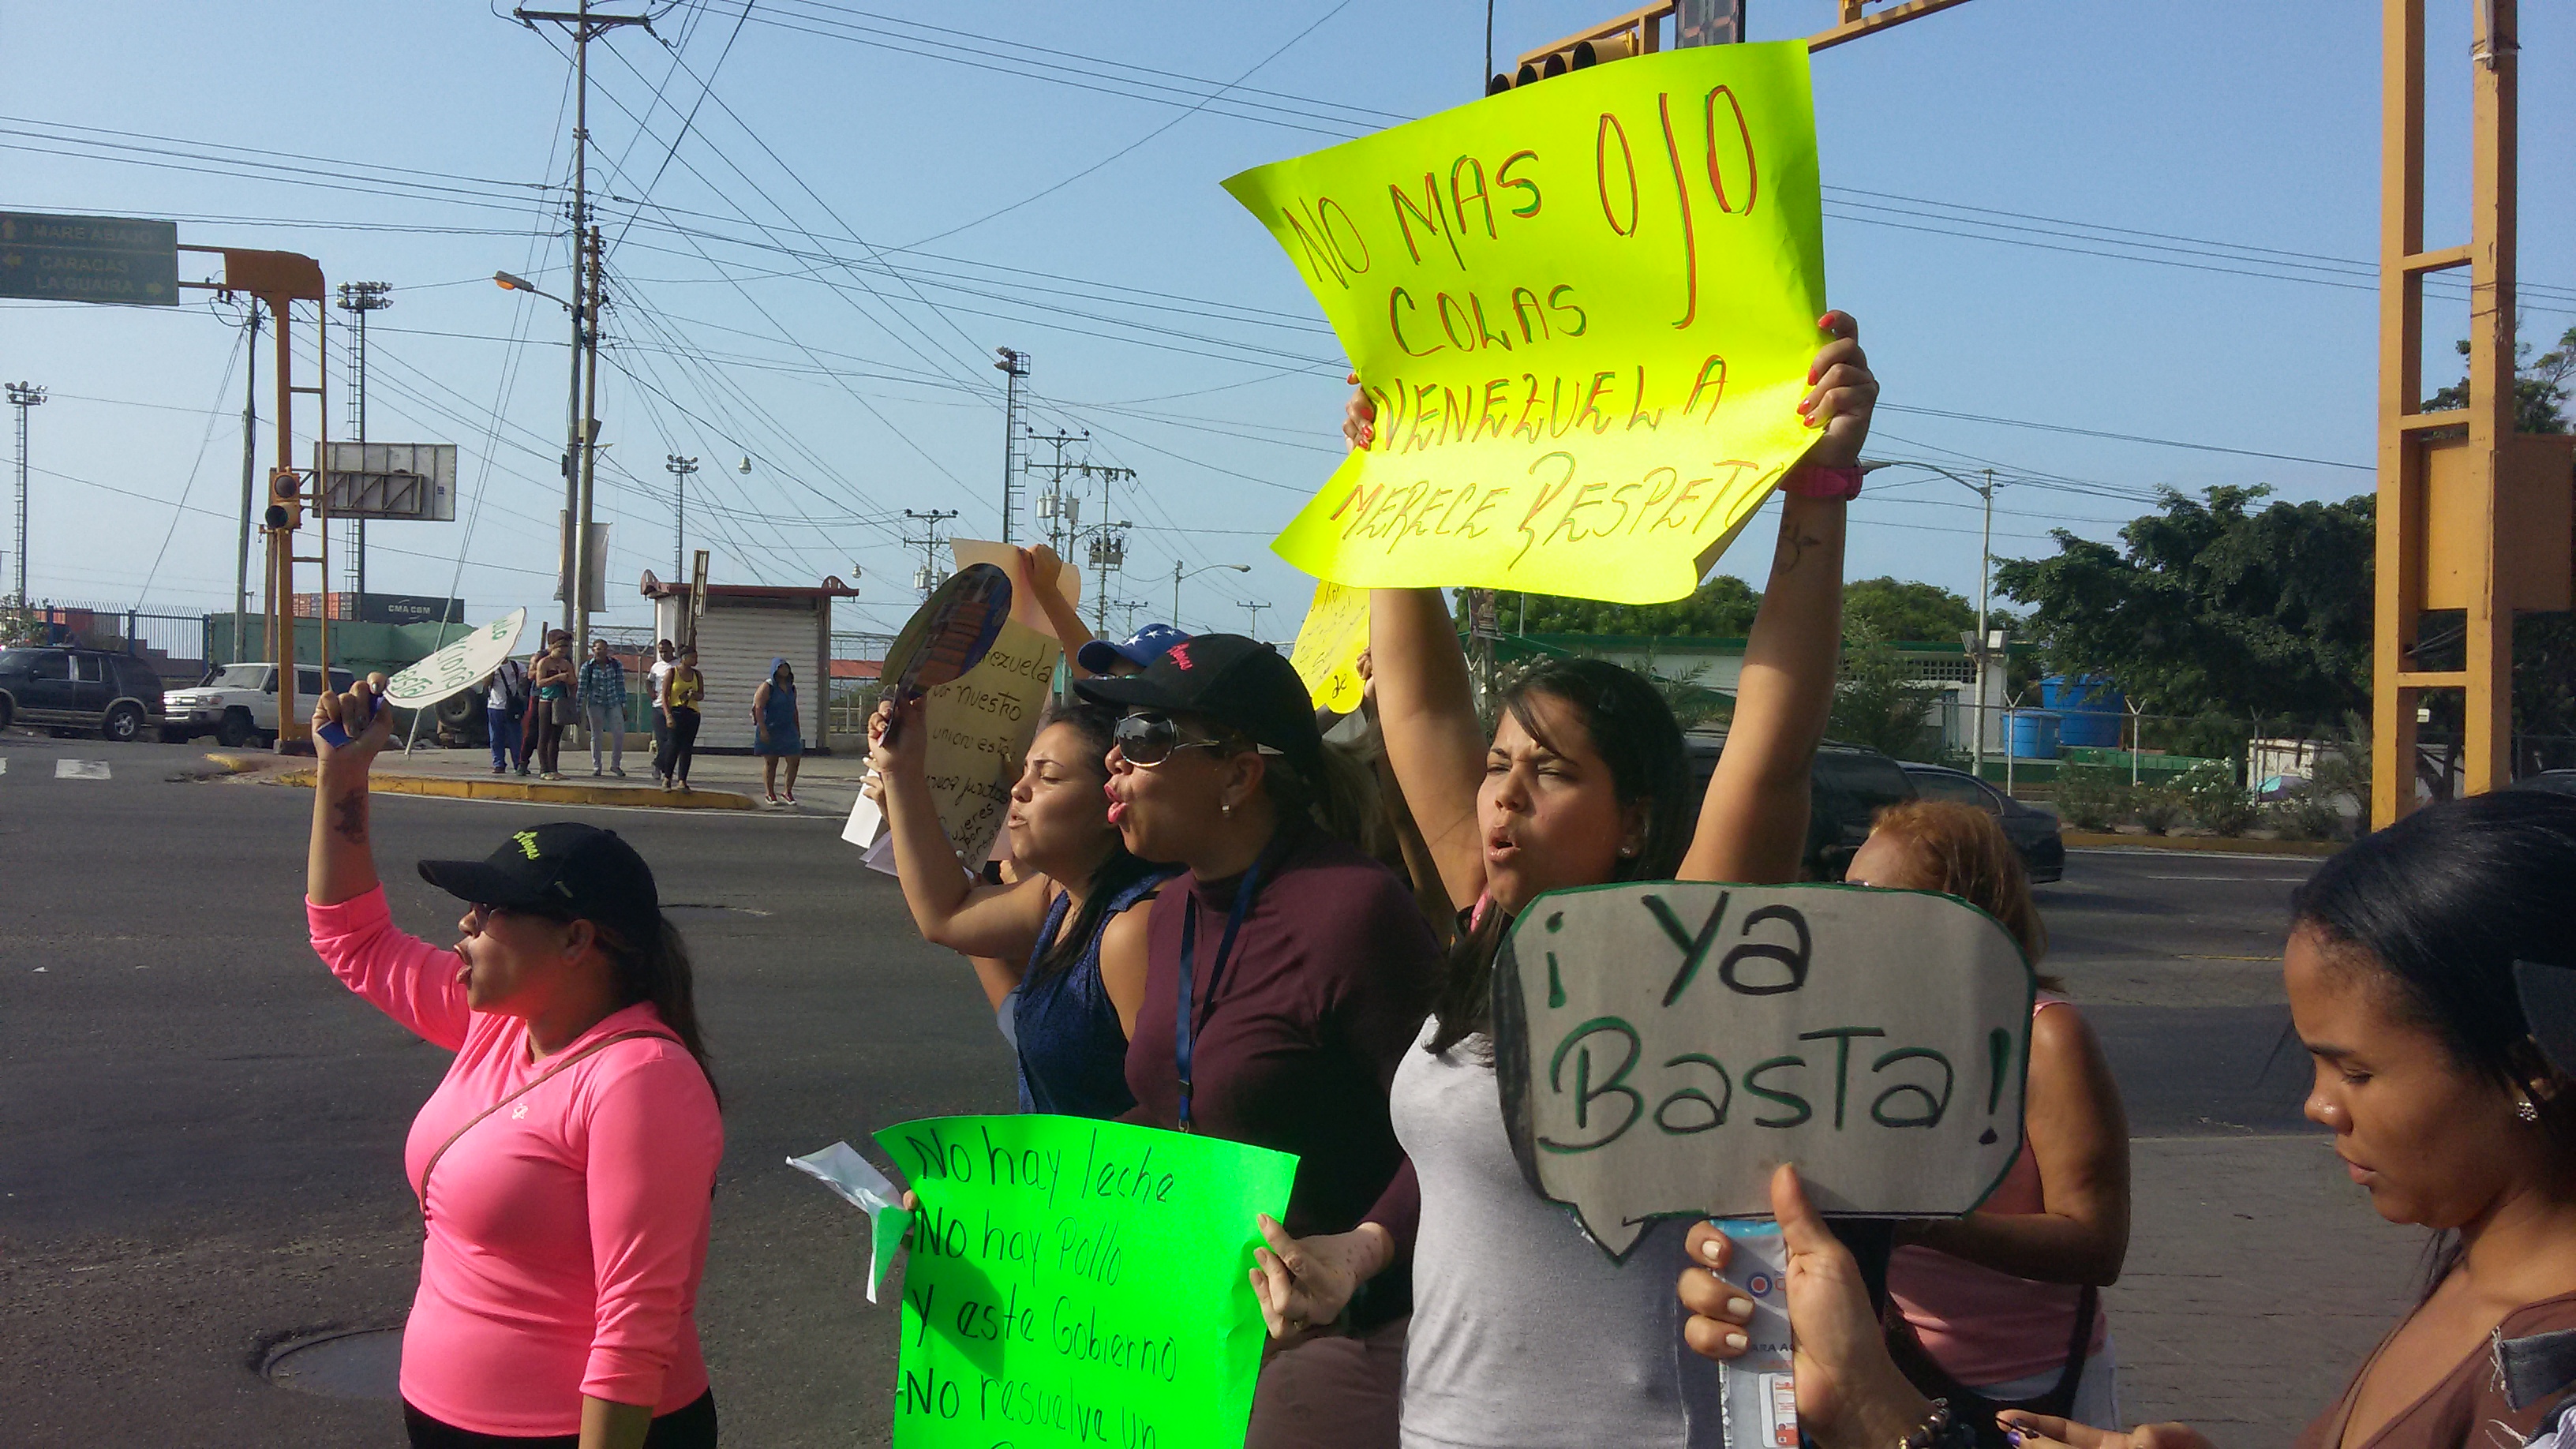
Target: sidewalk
[
  {"x": 2258, "y": 1279},
  {"x": 826, "y": 785}
]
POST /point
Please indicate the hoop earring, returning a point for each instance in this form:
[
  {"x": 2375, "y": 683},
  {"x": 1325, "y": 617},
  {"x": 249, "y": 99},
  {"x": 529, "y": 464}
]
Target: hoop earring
[{"x": 2527, "y": 1112}]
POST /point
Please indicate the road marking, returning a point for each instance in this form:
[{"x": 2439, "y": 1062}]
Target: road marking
[
  {"x": 2250, "y": 879},
  {"x": 4, "y": 764},
  {"x": 80, "y": 769}
]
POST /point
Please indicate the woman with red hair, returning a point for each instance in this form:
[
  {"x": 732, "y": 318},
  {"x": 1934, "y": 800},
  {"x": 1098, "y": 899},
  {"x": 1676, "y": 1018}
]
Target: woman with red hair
[{"x": 2001, "y": 1309}]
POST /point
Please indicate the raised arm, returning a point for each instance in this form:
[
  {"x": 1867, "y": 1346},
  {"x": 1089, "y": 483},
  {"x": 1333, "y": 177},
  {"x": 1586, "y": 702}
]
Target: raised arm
[
  {"x": 1042, "y": 574},
  {"x": 339, "y": 861},
  {"x": 1753, "y": 822},
  {"x": 1434, "y": 742},
  {"x": 996, "y": 926}
]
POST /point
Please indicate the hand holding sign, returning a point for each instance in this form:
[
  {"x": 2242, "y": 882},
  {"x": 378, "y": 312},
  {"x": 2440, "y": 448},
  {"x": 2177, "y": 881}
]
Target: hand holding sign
[
  {"x": 1079, "y": 1283},
  {"x": 351, "y": 729},
  {"x": 1584, "y": 312},
  {"x": 1663, "y": 1046}
]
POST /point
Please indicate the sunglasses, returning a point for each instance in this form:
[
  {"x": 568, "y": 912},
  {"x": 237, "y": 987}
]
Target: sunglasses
[
  {"x": 483, "y": 915},
  {"x": 1147, "y": 740}
]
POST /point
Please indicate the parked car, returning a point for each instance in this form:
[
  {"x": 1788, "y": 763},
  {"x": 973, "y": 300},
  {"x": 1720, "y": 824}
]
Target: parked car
[
  {"x": 68, "y": 688},
  {"x": 1850, "y": 783},
  {"x": 2033, "y": 831},
  {"x": 2556, "y": 782},
  {"x": 237, "y": 703}
]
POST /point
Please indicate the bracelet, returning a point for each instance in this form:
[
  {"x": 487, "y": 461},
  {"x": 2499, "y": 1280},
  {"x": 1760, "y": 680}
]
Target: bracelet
[
  {"x": 1939, "y": 1431},
  {"x": 1812, "y": 480}
]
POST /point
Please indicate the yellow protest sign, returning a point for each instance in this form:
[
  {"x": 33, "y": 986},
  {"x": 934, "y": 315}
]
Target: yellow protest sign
[
  {"x": 1329, "y": 645},
  {"x": 1584, "y": 309}
]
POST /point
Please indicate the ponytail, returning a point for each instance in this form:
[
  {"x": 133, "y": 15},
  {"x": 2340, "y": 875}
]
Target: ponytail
[{"x": 658, "y": 971}]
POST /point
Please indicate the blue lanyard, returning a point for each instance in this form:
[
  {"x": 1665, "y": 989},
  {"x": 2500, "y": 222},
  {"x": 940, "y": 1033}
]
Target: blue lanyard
[{"x": 1182, "y": 1026}]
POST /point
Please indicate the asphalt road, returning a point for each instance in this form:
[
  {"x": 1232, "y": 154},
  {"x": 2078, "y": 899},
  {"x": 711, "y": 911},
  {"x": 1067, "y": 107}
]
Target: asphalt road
[{"x": 200, "y": 1131}]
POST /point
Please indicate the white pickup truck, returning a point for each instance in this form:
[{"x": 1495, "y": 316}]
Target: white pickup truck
[{"x": 237, "y": 704}]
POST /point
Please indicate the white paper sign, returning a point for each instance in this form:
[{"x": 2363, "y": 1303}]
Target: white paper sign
[
  {"x": 460, "y": 665},
  {"x": 1663, "y": 1046}
]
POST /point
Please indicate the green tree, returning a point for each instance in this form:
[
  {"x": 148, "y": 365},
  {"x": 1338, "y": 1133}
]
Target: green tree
[
  {"x": 2540, "y": 386},
  {"x": 2214, "y": 603},
  {"x": 1881, "y": 702},
  {"x": 1896, "y": 609},
  {"x": 1722, "y": 608}
]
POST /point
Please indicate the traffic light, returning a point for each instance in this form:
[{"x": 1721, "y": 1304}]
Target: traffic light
[
  {"x": 285, "y": 499},
  {"x": 1581, "y": 55}
]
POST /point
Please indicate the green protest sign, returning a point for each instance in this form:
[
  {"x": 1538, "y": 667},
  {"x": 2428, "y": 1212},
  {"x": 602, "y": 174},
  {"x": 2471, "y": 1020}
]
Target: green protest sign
[{"x": 1074, "y": 1282}]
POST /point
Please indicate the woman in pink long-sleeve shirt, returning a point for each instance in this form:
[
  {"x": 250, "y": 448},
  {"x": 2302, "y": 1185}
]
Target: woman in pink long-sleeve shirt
[{"x": 565, "y": 1166}]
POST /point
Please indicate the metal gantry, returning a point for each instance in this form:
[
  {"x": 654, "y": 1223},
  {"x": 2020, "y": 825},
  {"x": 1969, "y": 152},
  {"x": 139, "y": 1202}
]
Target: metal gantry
[{"x": 26, "y": 397}]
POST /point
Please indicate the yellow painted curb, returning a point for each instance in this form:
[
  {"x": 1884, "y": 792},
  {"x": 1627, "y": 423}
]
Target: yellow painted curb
[
  {"x": 2213, "y": 844},
  {"x": 630, "y": 796},
  {"x": 238, "y": 764}
]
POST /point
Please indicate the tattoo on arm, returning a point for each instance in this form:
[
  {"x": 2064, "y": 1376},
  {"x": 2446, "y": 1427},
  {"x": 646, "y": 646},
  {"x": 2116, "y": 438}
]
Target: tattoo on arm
[
  {"x": 349, "y": 818},
  {"x": 1794, "y": 543}
]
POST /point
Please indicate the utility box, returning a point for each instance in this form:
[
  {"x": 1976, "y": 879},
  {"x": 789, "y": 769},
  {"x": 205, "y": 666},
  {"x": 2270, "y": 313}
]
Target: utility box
[{"x": 2534, "y": 527}]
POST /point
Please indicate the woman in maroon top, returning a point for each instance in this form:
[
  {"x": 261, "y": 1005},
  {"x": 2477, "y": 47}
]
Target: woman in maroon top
[{"x": 1286, "y": 974}]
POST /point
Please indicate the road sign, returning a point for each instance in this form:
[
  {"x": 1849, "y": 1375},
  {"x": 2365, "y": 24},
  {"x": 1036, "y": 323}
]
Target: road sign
[
  {"x": 89, "y": 259},
  {"x": 412, "y": 482}
]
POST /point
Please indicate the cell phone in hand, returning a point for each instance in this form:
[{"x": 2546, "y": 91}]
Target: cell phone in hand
[{"x": 1761, "y": 1398}]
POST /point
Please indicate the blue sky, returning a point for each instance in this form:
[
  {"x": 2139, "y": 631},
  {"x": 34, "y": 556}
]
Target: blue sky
[{"x": 2018, "y": 197}]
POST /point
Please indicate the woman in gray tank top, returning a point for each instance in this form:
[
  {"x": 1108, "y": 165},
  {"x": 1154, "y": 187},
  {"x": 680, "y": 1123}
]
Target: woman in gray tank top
[{"x": 1524, "y": 1334}]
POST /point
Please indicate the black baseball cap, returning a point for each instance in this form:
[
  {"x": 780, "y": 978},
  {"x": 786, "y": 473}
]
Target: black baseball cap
[
  {"x": 562, "y": 869},
  {"x": 1237, "y": 682}
]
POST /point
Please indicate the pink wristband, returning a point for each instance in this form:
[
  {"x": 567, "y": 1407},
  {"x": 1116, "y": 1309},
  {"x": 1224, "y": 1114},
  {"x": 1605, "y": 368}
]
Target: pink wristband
[{"x": 1809, "y": 480}]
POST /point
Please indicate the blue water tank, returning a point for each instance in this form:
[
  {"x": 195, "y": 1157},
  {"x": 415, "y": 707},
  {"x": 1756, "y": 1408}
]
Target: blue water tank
[
  {"x": 2092, "y": 712},
  {"x": 2034, "y": 734}
]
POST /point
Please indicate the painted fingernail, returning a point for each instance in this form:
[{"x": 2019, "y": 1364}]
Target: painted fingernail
[
  {"x": 2012, "y": 1436},
  {"x": 1737, "y": 1340},
  {"x": 1739, "y": 1308}
]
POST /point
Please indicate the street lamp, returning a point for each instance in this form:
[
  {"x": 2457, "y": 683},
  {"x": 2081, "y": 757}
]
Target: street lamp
[
  {"x": 1985, "y": 561},
  {"x": 1178, "y": 575},
  {"x": 510, "y": 283}
]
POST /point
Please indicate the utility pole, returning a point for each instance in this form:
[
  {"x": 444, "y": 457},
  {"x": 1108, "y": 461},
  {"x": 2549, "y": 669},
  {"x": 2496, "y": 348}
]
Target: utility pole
[
  {"x": 23, "y": 397},
  {"x": 680, "y": 468},
  {"x": 361, "y": 298},
  {"x": 581, "y": 430},
  {"x": 586, "y": 605},
  {"x": 1014, "y": 366},
  {"x": 1252, "y": 610},
  {"x": 1061, "y": 515},
  {"x": 1985, "y": 565},
  {"x": 928, "y": 576},
  {"x": 250, "y": 435}
]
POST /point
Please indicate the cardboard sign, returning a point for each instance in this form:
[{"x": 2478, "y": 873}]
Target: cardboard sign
[
  {"x": 1663, "y": 1046},
  {"x": 460, "y": 665},
  {"x": 1025, "y": 608},
  {"x": 1329, "y": 645},
  {"x": 1074, "y": 1282},
  {"x": 1585, "y": 312},
  {"x": 981, "y": 724}
]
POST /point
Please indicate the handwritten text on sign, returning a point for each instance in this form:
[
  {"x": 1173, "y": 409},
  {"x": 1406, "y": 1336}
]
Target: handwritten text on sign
[
  {"x": 1584, "y": 311},
  {"x": 458, "y": 666},
  {"x": 980, "y": 725},
  {"x": 1075, "y": 1282},
  {"x": 1663, "y": 1046}
]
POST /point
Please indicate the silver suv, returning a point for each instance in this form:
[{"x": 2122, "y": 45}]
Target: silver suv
[{"x": 237, "y": 703}]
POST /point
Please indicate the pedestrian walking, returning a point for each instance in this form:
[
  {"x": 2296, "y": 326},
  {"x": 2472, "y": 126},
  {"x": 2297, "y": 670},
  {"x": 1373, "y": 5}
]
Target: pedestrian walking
[
  {"x": 1523, "y": 1333},
  {"x": 556, "y": 708},
  {"x": 565, "y": 1163},
  {"x": 653, "y": 678},
  {"x": 1285, "y": 974},
  {"x": 1061, "y": 950},
  {"x": 776, "y": 733},
  {"x": 603, "y": 707},
  {"x": 682, "y": 688},
  {"x": 2431, "y": 971},
  {"x": 505, "y": 700},
  {"x": 2002, "y": 1309}
]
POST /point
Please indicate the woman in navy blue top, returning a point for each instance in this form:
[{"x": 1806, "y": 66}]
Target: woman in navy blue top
[{"x": 1069, "y": 1008}]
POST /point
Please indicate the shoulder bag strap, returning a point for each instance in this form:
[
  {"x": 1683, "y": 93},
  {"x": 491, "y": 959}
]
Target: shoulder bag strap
[{"x": 540, "y": 1080}]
